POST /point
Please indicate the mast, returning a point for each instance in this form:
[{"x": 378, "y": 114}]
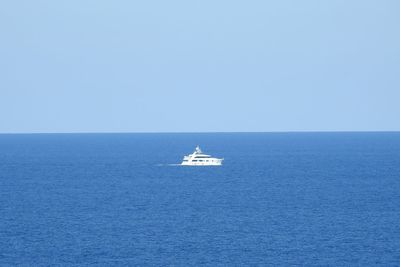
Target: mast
[{"x": 198, "y": 150}]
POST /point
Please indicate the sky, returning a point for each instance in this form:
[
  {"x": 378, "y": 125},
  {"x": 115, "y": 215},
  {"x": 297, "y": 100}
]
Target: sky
[{"x": 199, "y": 66}]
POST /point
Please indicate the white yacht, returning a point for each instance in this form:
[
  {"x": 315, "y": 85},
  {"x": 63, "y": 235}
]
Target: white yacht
[{"x": 200, "y": 159}]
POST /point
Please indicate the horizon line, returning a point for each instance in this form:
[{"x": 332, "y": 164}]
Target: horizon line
[{"x": 208, "y": 132}]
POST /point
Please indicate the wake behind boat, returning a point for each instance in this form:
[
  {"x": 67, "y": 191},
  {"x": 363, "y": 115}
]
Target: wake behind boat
[{"x": 198, "y": 158}]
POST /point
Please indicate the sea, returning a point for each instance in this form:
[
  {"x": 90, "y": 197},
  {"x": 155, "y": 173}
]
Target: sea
[{"x": 279, "y": 199}]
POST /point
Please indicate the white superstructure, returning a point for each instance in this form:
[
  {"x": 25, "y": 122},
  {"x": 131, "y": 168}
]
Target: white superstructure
[{"x": 200, "y": 159}]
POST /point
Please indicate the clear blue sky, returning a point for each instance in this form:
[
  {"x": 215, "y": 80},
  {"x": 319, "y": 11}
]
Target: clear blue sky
[{"x": 149, "y": 66}]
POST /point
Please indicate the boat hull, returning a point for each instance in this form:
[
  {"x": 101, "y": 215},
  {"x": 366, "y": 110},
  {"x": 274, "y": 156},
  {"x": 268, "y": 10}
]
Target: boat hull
[{"x": 213, "y": 162}]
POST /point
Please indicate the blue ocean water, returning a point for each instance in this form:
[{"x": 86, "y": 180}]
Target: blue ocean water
[{"x": 329, "y": 199}]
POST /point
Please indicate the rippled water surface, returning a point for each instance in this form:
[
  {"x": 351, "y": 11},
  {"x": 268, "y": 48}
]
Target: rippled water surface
[{"x": 279, "y": 199}]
